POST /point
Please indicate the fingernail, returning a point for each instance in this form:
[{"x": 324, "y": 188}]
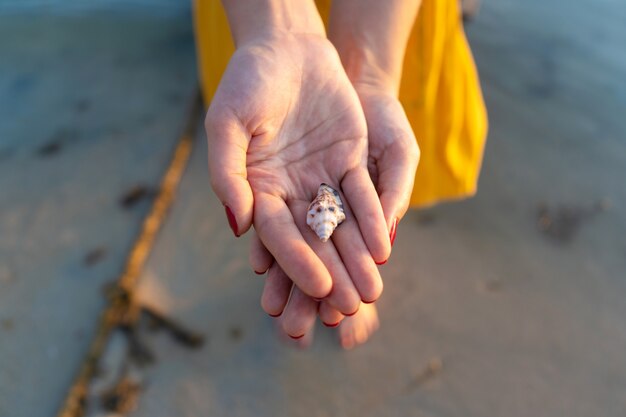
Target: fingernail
[
  {"x": 392, "y": 233},
  {"x": 232, "y": 221},
  {"x": 274, "y": 315},
  {"x": 381, "y": 263},
  {"x": 351, "y": 314},
  {"x": 260, "y": 273},
  {"x": 296, "y": 337},
  {"x": 331, "y": 325},
  {"x": 368, "y": 302}
]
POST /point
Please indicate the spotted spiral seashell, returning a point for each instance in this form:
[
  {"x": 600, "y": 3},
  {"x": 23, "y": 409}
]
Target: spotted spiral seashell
[{"x": 325, "y": 212}]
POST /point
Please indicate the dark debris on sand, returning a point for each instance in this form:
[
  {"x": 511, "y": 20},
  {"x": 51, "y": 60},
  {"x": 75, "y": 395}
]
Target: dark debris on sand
[
  {"x": 561, "y": 223},
  {"x": 135, "y": 195}
]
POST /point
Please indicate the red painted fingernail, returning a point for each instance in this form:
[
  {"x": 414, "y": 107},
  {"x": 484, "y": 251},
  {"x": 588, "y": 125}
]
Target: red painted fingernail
[
  {"x": 274, "y": 315},
  {"x": 331, "y": 325},
  {"x": 381, "y": 263},
  {"x": 392, "y": 233},
  {"x": 232, "y": 221},
  {"x": 260, "y": 273},
  {"x": 351, "y": 314},
  {"x": 368, "y": 302},
  {"x": 296, "y": 337}
]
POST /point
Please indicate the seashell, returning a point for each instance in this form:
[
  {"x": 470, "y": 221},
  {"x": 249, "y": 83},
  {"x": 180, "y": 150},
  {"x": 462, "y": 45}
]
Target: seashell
[{"x": 325, "y": 212}]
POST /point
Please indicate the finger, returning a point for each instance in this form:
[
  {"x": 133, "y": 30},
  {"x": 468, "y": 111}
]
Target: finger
[
  {"x": 395, "y": 186},
  {"x": 395, "y": 150},
  {"x": 227, "y": 143},
  {"x": 344, "y": 296},
  {"x": 279, "y": 234},
  {"x": 276, "y": 291},
  {"x": 362, "y": 198},
  {"x": 260, "y": 258},
  {"x": 299, "y": 315},
  {"x": 330, "y": 316},
  {"x": 357, "y": 259}
]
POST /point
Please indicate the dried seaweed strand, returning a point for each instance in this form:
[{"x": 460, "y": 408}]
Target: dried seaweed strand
[{"x": 119, "y": 305}]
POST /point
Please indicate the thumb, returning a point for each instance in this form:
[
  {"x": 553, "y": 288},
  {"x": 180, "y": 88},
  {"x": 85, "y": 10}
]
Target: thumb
[
  {"x": 396, "y": 163},
  {"x": 227, "y": 141},
  {"x": 396, "y": 175}
]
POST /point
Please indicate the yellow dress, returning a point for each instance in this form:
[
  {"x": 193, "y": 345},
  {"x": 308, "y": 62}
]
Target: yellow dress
[{"x": 440, "y": 93}]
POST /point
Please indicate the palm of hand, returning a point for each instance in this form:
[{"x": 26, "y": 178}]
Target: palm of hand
[{"x": 304, "y": 119}]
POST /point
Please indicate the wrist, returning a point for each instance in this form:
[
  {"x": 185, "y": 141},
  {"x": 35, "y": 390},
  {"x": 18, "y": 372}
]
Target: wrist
[
  {"x": 251, "y": 20},
  {"x": 367, "y": 67},
  {"x": 371, "y": 37}
]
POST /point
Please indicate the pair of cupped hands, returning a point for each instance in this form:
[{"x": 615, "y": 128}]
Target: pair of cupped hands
[{"x": 285, "y": 118}]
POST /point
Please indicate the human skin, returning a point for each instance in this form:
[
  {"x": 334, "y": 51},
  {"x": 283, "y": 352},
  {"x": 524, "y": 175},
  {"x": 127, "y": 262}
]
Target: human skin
[
  {"x": 371, "y": 38},
  {"x": 285, "y": 118}
]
